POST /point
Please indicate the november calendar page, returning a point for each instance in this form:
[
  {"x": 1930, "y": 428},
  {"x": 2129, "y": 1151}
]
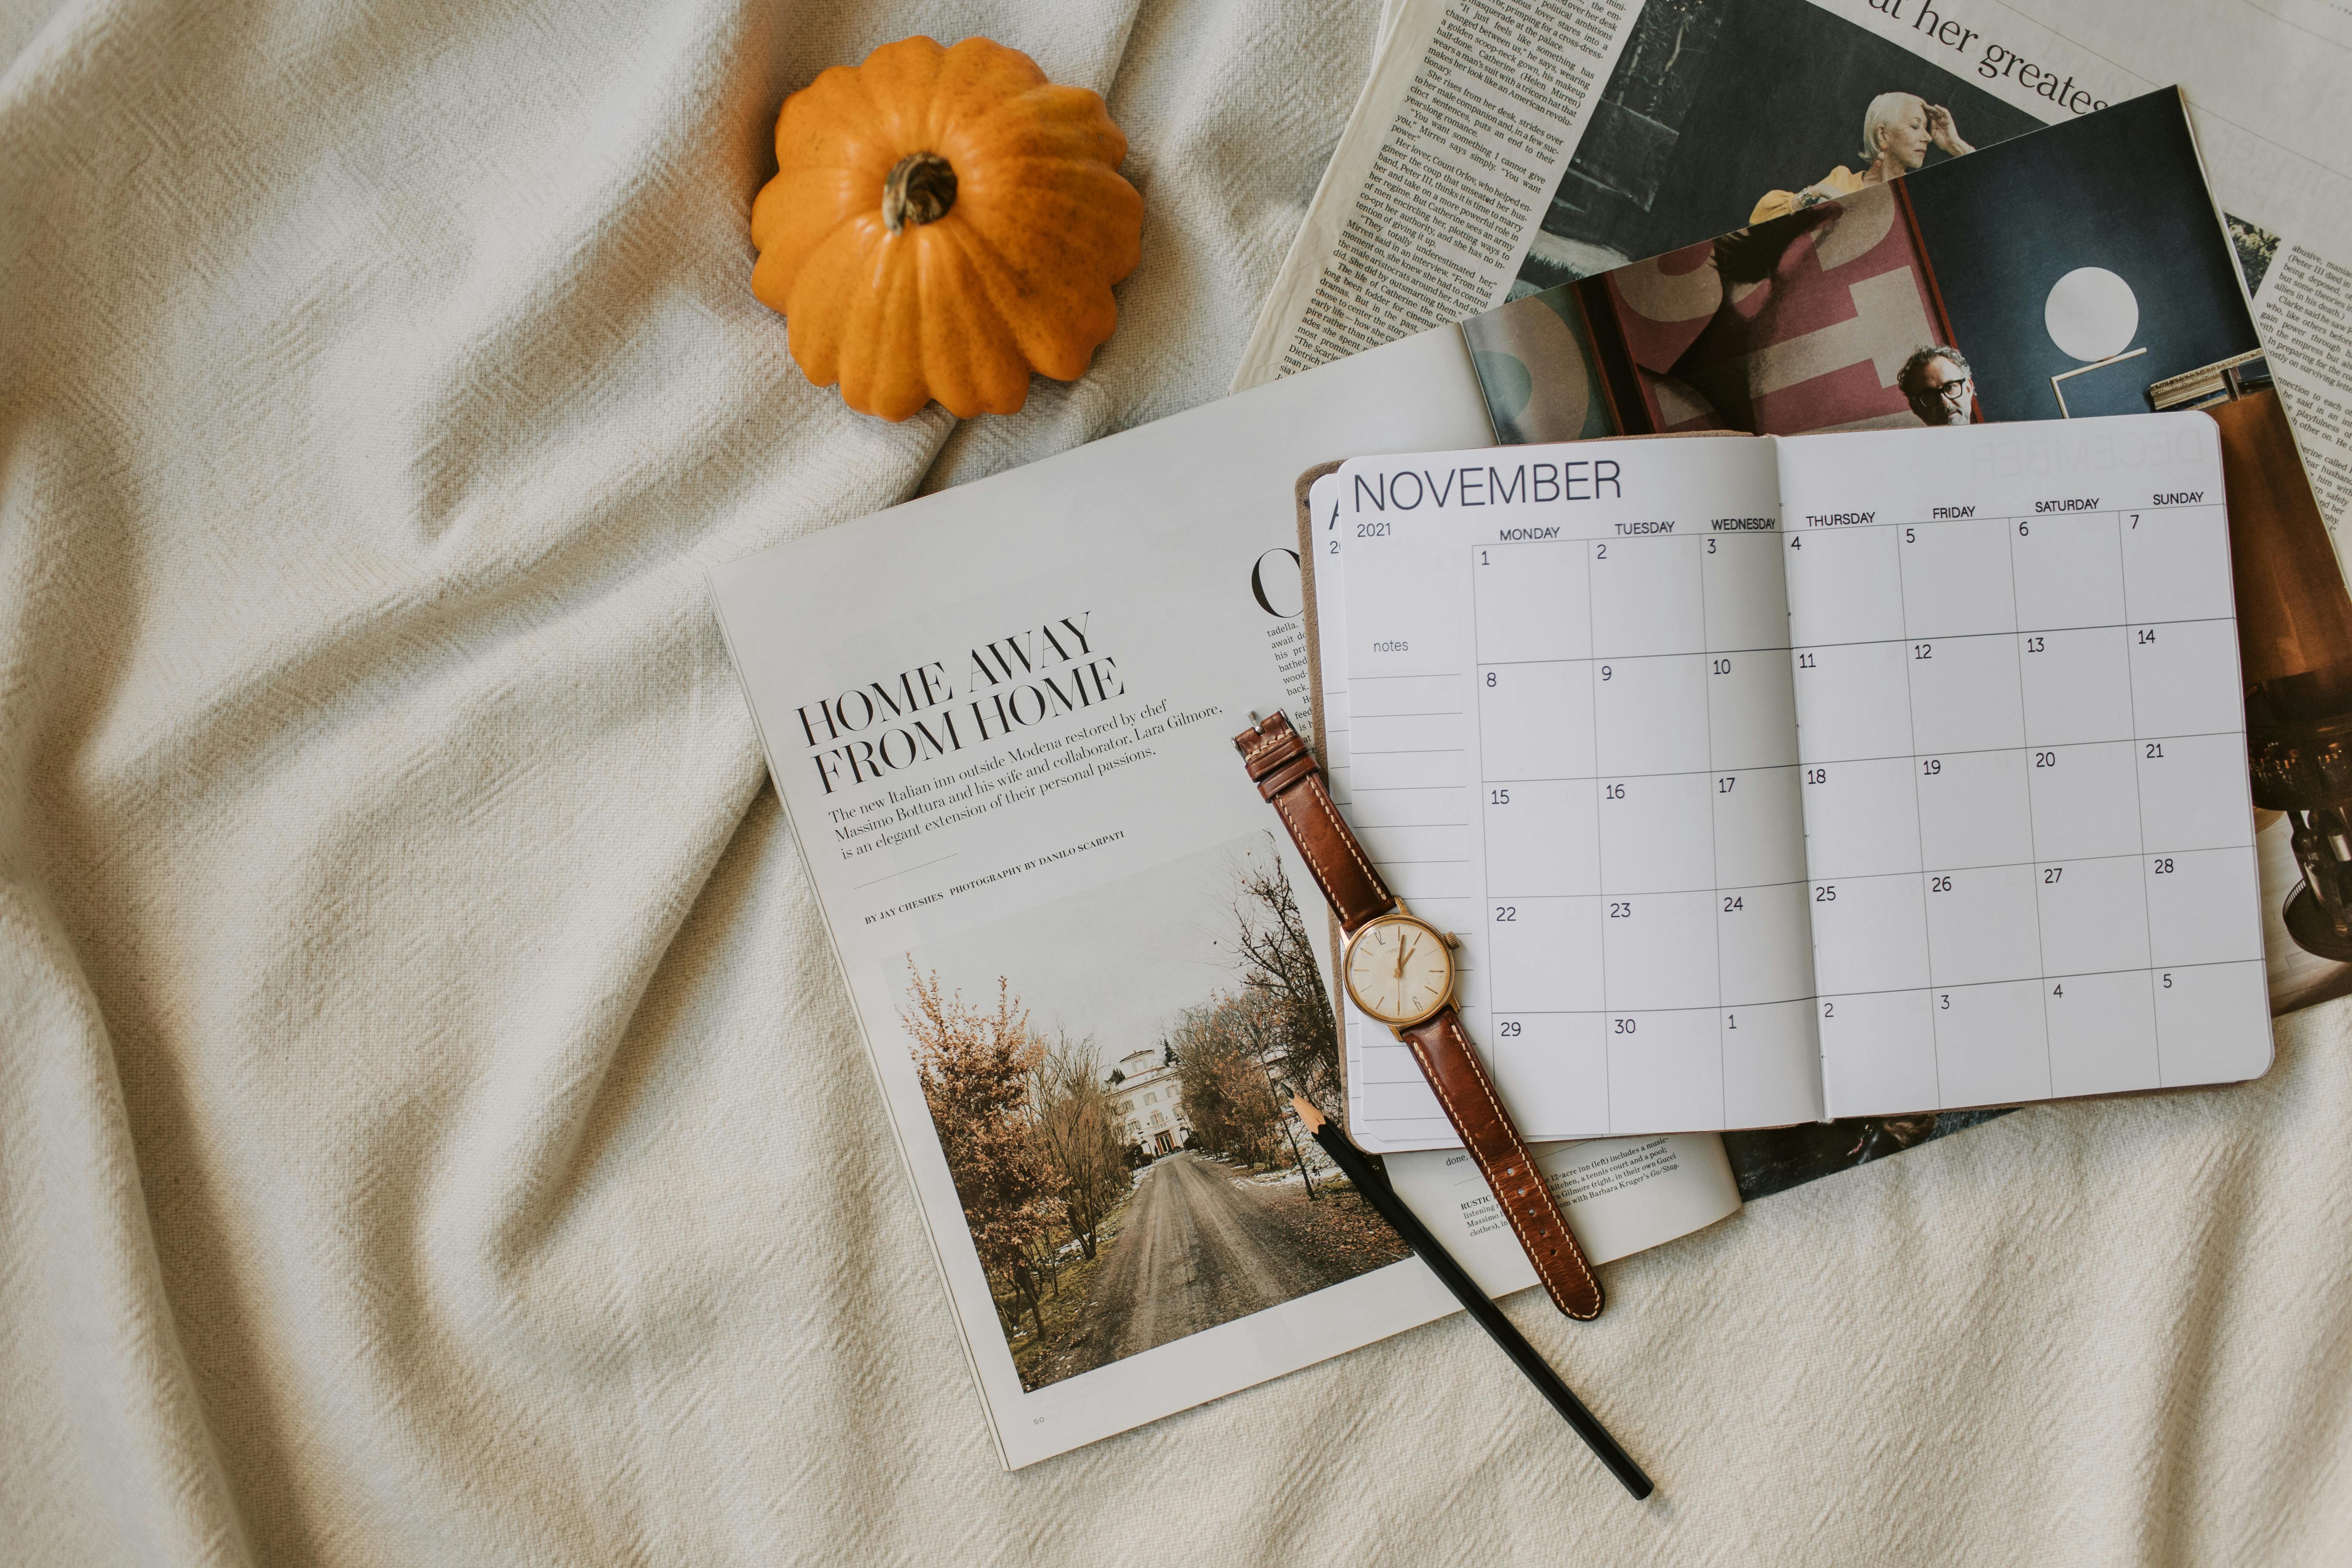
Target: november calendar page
[{"x": 1770, "y": 779}]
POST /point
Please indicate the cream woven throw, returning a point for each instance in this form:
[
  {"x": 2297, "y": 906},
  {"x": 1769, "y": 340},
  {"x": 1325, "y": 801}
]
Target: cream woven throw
[{"x": 429, "y": 1130}]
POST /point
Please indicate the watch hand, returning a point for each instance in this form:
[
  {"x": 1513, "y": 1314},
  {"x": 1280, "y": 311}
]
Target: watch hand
[{"x": 1404, "y": 950}]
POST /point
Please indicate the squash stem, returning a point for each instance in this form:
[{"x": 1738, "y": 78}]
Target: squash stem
[{"x": 920, "y": 189}]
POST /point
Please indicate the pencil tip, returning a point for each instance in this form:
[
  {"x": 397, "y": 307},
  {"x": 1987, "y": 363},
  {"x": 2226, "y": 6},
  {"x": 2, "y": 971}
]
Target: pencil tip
[{"x": 1307, "y": 1112}]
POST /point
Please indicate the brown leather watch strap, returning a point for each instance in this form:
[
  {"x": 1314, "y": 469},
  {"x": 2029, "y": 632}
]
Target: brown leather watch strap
[
  {"x": 1284, "y": 770},
  {"x": 1285, "y": 773},
  {"x": 1453, "y": 1069}
]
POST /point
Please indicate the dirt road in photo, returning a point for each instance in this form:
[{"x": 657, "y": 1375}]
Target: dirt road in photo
[
  {"x": 1198, "y": 1249},
  {"x": 1200, "y": 1244}
]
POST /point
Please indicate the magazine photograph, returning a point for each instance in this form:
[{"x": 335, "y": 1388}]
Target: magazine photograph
[{"x": 1121, "y": 1137}]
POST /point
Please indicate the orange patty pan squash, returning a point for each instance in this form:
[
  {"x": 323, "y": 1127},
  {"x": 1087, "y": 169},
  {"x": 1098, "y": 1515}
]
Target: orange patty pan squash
[{"x": 942, "y": 221}]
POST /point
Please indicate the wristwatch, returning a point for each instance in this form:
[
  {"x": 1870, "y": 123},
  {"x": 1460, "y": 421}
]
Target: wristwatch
[{"x": 1399, "y": 970}]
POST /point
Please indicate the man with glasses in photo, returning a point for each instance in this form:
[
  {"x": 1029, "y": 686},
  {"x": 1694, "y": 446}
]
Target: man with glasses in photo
[{"x": 1937, "y": 382}]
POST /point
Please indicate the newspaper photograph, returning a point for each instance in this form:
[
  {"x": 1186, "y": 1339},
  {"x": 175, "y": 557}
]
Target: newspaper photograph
[
  {"x": 1120, "y": 1136},
  {"x": 1501, "y": 147}
]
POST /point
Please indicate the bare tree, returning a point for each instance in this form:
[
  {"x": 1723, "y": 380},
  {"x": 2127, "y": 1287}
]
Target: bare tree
[
  {"x": 1276, "y": 955},
  {"x": 1220, "y": 1069},
  {"x": 1259, "y": 1018},
  {"x": 1079, "y": 1127}
]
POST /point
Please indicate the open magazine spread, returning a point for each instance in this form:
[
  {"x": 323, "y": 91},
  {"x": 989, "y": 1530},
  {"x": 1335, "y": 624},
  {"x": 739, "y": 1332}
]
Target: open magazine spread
[
  {"x": 1504, "y": 146},
  {"x": 1088, "y": 972}
]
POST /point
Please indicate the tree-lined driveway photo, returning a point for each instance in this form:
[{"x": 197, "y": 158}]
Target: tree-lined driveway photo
[
  {"x": 1098, "y": 1239},
  {"x": 1200, "y": 1250},
  {"x": 1202, "y": 1245}
]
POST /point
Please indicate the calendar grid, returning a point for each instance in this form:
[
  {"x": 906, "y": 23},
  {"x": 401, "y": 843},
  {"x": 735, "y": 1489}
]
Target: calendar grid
[
  {"x": 2140, "y": 814},
  {"x": 1640, "y": 892},
  {"x": 1986, "y": 985},
  {"x": 1972, "y": 750},
  {"x": 1715, "y": 859},
  {"x": 2032, "y": 834},
  {"x": 2061, "y": 698},
  {"x": 1622, "y": 807},
  {"x": 1919, "y": 812},
  {"x": 1599, "y": 853},
  {"x": 1831, "y": 646},
  {"x": 2138, "y": 624}
]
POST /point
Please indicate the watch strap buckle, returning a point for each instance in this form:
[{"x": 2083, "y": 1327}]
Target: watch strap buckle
[{"x": 1283, "y": 767}]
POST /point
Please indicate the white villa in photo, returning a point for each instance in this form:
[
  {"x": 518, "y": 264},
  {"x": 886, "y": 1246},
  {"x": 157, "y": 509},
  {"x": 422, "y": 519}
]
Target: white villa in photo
[{"x": 1149, "y": 1102}]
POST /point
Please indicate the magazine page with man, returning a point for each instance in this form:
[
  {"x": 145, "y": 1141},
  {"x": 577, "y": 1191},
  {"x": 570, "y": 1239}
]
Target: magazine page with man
[{"x": 1504, "y": 146}]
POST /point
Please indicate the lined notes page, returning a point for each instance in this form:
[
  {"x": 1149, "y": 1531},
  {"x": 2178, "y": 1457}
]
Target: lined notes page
[
  {"x": 1330, "y": 634},
  {"x": 2029, "y": 835},
  {"x": 1400, "y": 1119},
  {"x": 1573, "y": 741}
]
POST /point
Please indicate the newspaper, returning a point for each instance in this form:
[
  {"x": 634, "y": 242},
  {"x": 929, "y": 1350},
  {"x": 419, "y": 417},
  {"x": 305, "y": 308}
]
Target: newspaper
[{"x": 1502, "y": 146}]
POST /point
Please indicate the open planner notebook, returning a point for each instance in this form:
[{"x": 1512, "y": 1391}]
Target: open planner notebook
[{"x": 1766, "y": 779}]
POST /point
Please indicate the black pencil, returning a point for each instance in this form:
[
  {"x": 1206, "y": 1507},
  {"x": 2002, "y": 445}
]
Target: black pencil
[{"x": 1381, "y": 1196}]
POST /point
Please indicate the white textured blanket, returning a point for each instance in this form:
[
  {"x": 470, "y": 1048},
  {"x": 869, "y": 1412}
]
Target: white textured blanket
[{"x": 429, "y": 1129}]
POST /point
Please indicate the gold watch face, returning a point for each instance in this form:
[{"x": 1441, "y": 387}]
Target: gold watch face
[{"x": 1399, "y": 970}]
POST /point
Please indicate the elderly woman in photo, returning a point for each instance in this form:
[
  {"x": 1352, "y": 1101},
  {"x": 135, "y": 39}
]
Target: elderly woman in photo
[{"x": 1897, "y": 129}]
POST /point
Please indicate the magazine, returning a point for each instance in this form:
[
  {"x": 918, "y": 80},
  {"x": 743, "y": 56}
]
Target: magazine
[
  {"x": 1000, "y": 720},
  {"x": 1501, "y": 147}
]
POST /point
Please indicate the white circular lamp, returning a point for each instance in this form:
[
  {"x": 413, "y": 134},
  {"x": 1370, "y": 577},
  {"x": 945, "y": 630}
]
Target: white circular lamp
[{"x": 2091, "y": 315}]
